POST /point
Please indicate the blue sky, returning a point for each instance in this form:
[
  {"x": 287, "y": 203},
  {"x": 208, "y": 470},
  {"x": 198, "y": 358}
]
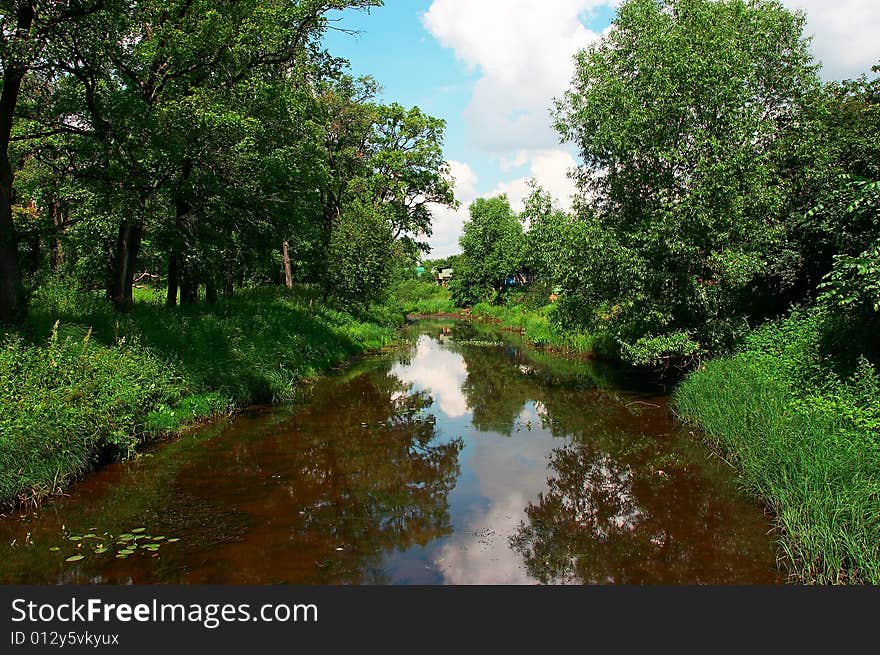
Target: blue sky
[{"x": 491, "y": 69}]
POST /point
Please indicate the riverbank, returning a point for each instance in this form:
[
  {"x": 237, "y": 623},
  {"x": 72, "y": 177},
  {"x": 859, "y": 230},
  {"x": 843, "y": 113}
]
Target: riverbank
[
  {"x": 82, "y": 384},
  {"x": 797, "y": 413},
  {"x": 537, "y": 326}
]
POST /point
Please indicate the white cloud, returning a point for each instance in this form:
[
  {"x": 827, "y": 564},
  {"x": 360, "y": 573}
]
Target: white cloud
[
  {"x": 523, "y": 50},
  {"x": 440, "y": 372},
  {"x": 479, "y": 551},
  {"x": 846, "y": 34},
  {"x": 550, "y": 168},
  {"x": 448, "y": 221}
]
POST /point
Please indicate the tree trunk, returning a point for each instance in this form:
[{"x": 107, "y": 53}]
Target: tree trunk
[
  {"x": 56, "y": 250},
  {"x": 33, "y": 254},
  {"x": 182, "y": 209},
  {"x": 128, "y": 245},
  {"x": 189, "y": 284},
  {"x": 12, "y": 302},
  {"x": 229, "y": 277},
  {"x": 288, "y": 275},
  {"x": 134, "y": 249},
  {"x": 173, "y": 279},
  {"x": 210, "y": 290}
]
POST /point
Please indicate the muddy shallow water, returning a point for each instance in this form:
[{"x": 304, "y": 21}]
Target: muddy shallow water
[{"x": 460, "y": 458}]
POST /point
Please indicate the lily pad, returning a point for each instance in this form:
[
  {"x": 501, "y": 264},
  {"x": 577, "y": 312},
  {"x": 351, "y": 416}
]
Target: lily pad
[
  {"x": 54, "y": 549},
  {"x": 138, "y": 530},
  {"x": 75, "y": 558}
]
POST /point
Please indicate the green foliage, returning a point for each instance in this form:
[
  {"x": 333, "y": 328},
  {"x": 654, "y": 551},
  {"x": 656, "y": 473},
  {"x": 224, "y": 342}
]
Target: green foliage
[
  {"x": 94, "y": 384},
  {"x": 854, "y": 283},
  {"x": 691, "y": 117},
  {"x": 359, "y": 257},
  {"x": 68, "y": 402},
  {"x": 423, "y": 296},
  {"x": 493, "y": 248},
  {"x": 540, "y": 326},
  {"x": 799, "y": 415}
]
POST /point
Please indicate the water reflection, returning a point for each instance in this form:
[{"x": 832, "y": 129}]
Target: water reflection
[
  {"x": 506, "y": 479},
  {"x": 438, "y": 371},
  {"x": 603, "y": 520},
  {"x": 454, "y": 460}
]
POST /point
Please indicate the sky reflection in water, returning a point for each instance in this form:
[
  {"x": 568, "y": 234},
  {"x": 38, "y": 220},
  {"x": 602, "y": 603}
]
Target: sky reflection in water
[{"x": 455, "y": 460}]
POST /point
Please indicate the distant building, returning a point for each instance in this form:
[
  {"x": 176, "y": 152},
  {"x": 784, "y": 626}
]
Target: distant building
[{"x": 444, "y": 276}]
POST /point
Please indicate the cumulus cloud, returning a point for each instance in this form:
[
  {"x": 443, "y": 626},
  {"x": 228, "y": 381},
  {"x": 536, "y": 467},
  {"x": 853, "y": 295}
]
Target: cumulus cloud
[
  {"x": 479, "y": 552},
  {"x": 523, "y": 53},
  {"x": 845, "y": 34},
  {"x": 550, "y": 168},
  {"x": 440, "y": 372},
  {"x": 523, "y": 50},
  {"x": 448, "y": 221}
]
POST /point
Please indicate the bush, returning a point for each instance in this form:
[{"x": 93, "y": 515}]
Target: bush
[
  {"x": 422, "y": 296},
  {"x": 69, "y": 402}
]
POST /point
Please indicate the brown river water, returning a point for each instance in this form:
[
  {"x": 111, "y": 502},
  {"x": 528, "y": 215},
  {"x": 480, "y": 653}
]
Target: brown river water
[{"x": 461, "y": 457}]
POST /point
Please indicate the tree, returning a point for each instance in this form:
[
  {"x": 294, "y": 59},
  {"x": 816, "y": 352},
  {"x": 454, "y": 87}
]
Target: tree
[
  {"x": 148, "y": 84},
  {"x": 492, "y": 244},
  {"x": 28, "y": 28},
  {"x": 386, "y": 157},
  {"x": 691, "y": 118},
  {"x": 360, "y": 259}
]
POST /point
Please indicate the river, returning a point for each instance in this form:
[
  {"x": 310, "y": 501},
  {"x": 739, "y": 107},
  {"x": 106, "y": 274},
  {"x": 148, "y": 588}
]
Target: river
[{"x": 461, "y": 457}]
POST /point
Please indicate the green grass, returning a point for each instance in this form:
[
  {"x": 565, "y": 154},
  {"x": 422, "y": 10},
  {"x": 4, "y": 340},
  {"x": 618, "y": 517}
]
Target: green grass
[
  {"x": 538, "y": 326},
  {"x": 423, "y": 296},
  {"x": 799, "y": 417},
  {"x": 81, "y": 384}
]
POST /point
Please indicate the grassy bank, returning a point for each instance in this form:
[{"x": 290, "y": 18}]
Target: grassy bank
[
  {"x": 536, "y": 321},
  {"x": 80, "y": 384},
  {"x": 797, "y": 411},
  {"x": 423, "y": 296}
]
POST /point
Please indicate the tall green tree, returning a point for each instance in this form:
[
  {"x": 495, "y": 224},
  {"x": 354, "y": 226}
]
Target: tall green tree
[
  {"x": 493, "y": 248},
  {"x": 692, "y": 120},
  {"x": 28, "y": 30}
]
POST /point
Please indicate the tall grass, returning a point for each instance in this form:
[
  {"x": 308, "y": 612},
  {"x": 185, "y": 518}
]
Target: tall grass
[
  {"x": 423, "y": 296},
  {"x": 81, "y": 383},
  {"x": 538, "y": 325},
  {"x": 803, "y": 427}
]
